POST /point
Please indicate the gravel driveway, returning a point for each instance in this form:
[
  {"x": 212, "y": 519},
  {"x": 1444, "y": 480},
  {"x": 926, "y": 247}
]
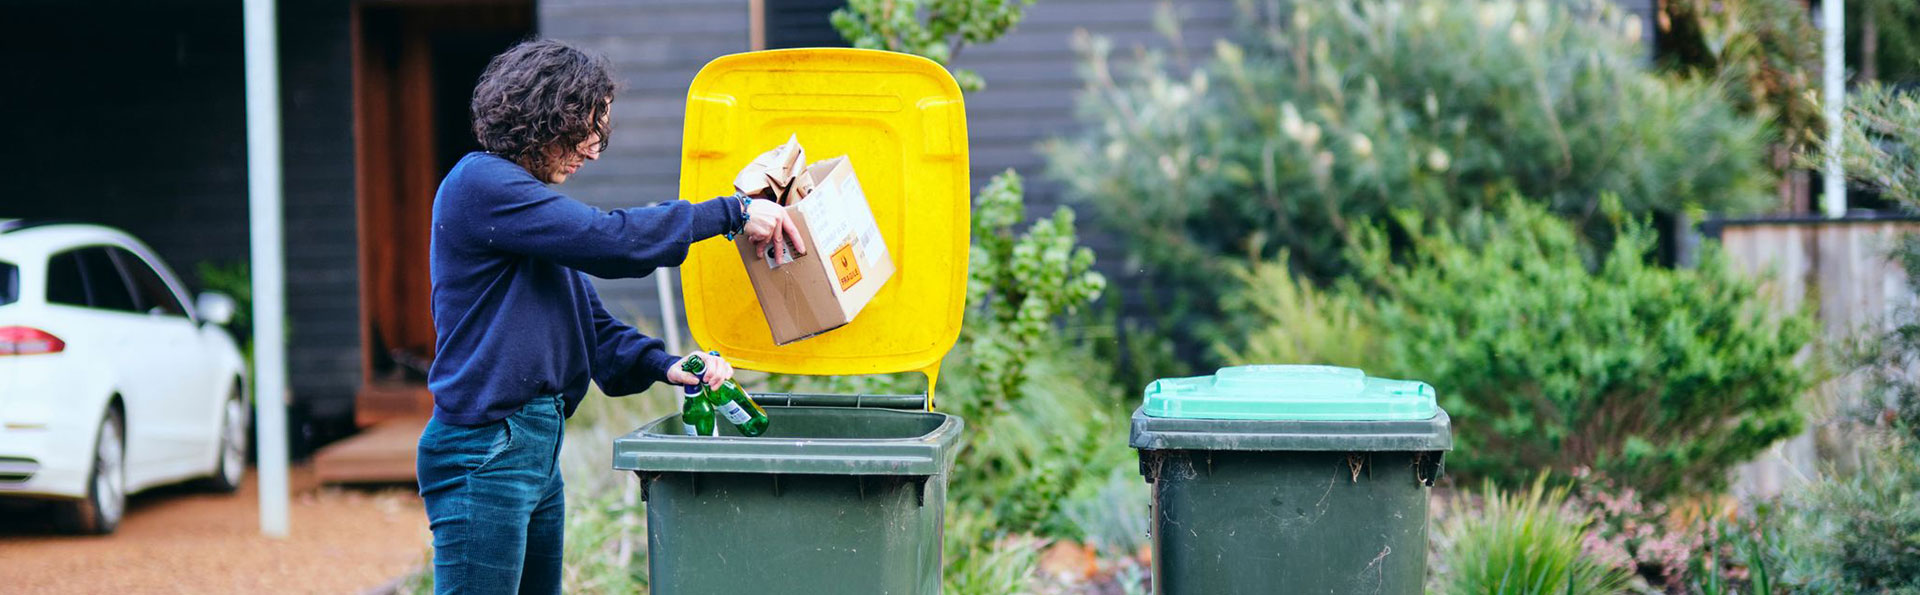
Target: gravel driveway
[{"x": 177, "y": 540}]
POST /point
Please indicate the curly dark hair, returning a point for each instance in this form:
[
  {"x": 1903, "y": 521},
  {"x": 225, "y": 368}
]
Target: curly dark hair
[{"x": 541, "y": 95}]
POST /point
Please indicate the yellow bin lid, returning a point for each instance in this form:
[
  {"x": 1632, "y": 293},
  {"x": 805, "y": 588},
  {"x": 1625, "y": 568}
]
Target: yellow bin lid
[{"x": 900, "y": 120}]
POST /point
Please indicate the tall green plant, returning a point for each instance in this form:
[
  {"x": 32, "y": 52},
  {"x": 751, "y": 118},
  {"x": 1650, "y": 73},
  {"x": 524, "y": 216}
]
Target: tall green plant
[
  {"x": 1020, "y": 284},
  {"x": 1040, "y": 412},
  {"x": 1524, "y": 543},
  {"x": 936, "y": 29},
  {"x": 1880, "y": 143},
  {"x": 1335, "y": 113},
  {"x": 1892, "y": 29},
  {"x": 1549, "y": 355},
  {"x": 1320, "y": 328},
  {"x": 1765, "y": 52}
]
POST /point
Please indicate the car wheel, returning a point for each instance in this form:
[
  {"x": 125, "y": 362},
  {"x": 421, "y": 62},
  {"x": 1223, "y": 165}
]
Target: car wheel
[
  {"x": 106, "y": 500},
  {"x": 231, "y": 462}
]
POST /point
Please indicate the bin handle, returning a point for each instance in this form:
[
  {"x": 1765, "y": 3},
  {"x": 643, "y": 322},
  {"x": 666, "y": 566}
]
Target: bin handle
[{"x": 868, "y": 401}]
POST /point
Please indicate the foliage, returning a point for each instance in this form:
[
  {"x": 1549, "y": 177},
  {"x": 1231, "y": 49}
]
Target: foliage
[
  {"x": 1896, "y": 37},
  {"x": 1529, "y": 542},
  {"x": 935, "y": 29},
  {"x": 1765, "y": 52},
  {"x": 1880, "y": 142},
  {"x": 1039, "y": 425},
  {"x": 1873, "y": 518},
  {"x": 1320, "y": 328},
  {"x": 1111, "y": 514},
  {"x": 1297, "y": 135},
  {"x": 1020, "y": 284},
  {"x": 981, "y": 559},
  {"x": 1548, "y": 356},
  {"x": 1868, "y": 531},
  {"x": 235, "y": 280}
]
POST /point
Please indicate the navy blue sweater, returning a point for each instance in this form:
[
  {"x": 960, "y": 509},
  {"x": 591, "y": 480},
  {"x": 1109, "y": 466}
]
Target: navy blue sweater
[{"x": 516, "y": 316}]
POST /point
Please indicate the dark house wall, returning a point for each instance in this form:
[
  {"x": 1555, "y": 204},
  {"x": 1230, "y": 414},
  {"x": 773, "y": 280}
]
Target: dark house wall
[
  {"x": 323, "y": 287},
  {"x": 656, "y": 48},
  {"x": 134, "y": 116}
]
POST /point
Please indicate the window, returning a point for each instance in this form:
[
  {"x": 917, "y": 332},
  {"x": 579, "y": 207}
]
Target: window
[
  {"x": 800, "y": 24},
  {"x": 65, "y": 285},
  {"x": 149, "y": 289},
  {"x": 106, "y": 289},
  {"x": 9, "y": 283}
]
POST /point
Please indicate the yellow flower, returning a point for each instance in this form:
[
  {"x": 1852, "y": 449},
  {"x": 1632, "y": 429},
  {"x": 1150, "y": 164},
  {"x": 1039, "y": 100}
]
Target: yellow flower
[{"x": 1362, "y": 146}]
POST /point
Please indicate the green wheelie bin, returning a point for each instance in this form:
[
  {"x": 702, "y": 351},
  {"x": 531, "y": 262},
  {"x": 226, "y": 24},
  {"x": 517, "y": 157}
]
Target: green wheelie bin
[
  {"x": 1289, "y": 479},
  {"x": 843, "y": 493}
]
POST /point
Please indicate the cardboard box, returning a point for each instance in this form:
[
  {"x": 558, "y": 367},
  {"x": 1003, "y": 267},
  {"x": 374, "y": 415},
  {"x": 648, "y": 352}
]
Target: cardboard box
[{"x": 846, "y": 262}]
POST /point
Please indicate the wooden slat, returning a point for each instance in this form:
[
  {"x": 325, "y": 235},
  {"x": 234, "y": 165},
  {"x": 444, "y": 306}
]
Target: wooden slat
[
  {"x": 1842, "y": 271},
  {"x": 380, "y": 454}
]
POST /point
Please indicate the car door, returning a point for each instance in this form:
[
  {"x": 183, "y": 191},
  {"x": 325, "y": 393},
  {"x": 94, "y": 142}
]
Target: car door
[
  {"x": 85, "y": 287},
  {"x": 169, "y": 364}
]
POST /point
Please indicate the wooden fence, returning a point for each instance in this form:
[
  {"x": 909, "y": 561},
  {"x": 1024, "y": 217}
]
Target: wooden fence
[{"x": 1841, "y": 268}]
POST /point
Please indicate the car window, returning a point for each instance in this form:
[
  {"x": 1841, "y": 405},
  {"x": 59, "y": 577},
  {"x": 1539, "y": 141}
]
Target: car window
[
  {"x": 9, "y": 283},
  {"x": 65, "y": 285},
  {"x": 149, "y": 289},
  {"x": 106, "y": 289}
]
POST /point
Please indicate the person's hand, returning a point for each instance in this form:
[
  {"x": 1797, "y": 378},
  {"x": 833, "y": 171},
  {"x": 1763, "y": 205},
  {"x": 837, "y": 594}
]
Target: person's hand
[
  {"x": 768, "y": 223},
  {"x": 718, "y": 370}
]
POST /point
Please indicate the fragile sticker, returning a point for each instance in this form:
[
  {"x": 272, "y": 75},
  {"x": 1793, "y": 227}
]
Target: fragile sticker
[{"x": 846, "y": 267}]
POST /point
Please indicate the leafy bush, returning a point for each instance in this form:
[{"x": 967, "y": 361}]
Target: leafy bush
[
  {"x": 1766, "y": 54},
  {"x": 1320, "y": 328},
  {"x": 1880, "y": 142},
  {"x": 1529, "y": 542},
  {"x": 1661, "y": 379},
  {"x": 1041, "y": 413},
  {"x": 1873, "y": 519},
  {"x": 936, "y": 29},
  {"x": 981, "y": 559},
  {"x": 1312, "y": 125}
]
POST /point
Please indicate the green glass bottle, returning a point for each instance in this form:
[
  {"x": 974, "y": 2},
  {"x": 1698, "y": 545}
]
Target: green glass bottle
[
  {"x": 730, "y": 401},
  {"x": 696, "y": 414}
]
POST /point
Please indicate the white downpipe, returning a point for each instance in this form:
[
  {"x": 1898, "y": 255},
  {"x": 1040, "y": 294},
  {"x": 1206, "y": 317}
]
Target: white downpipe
[
  {"x": 269, "y": 277},
  {"x": 1833, "y": 19},
  {"x": 669, "y": 318}
]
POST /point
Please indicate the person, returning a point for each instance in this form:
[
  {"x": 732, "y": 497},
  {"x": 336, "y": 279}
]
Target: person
[{"x": 520, "y": 328}]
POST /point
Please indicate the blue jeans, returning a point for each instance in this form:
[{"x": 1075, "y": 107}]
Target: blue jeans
[{"x": 495, "y": 501}]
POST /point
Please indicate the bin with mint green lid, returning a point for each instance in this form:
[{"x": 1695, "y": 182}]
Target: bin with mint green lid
[{"x": 1289, "y": 479}]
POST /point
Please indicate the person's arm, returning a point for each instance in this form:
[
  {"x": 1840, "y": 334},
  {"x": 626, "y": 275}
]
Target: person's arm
[
  {"x": 523, "y": 216},
  {"x": 624, "y": 361}
]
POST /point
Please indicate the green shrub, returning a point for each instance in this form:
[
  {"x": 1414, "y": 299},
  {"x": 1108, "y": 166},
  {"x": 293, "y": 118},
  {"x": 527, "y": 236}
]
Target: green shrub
[
  {"x": 1880, "y": 143},
  {"x": 1312, "y": 125},
  {"x": 1320, "y": 328},
  {"x": 1873, "y": 518},
  {"x": 980, "y": 559},
  {"x": 936, "y": 29},
  {"x": 1549, "y": 356},
  {"x": 1528, "y": 543},
  {"x": 1766, "y": 54}
]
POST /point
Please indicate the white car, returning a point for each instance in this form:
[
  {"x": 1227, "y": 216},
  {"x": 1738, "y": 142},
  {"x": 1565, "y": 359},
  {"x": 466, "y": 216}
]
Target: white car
[{"x": 110, "y": 381}]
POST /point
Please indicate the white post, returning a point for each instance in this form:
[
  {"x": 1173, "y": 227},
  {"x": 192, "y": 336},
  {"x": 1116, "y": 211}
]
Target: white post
[
  {"x": 669, "y": 319},
  {"x": 269, "y": 280},
  {"x": 1833, "y": 19}
]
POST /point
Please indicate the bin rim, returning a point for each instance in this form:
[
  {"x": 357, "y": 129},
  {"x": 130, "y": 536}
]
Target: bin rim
[
  {"x": 1162, "y": 433},
  {"x": 648, "y": 450}
]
